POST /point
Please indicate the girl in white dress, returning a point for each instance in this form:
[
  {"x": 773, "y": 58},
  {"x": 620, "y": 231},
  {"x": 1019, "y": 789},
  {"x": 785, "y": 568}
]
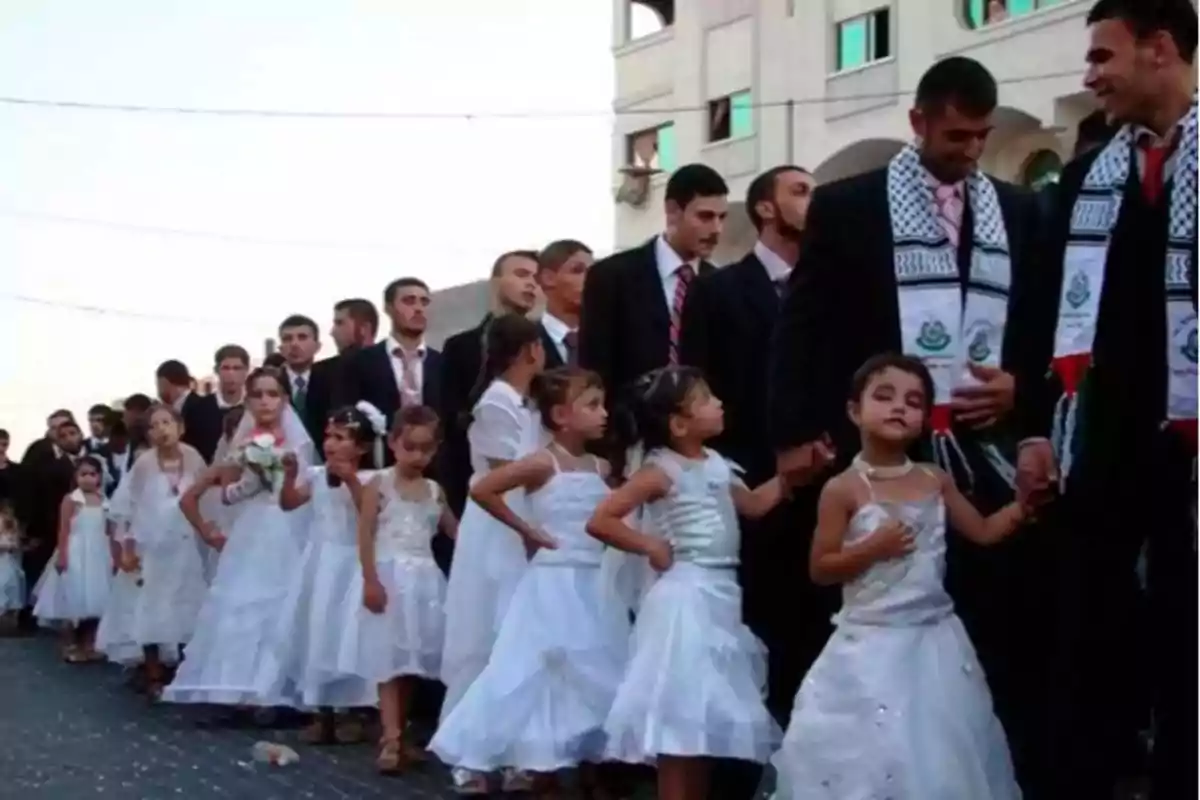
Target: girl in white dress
[
  {"x": 310, "y": 633},
  {"x": 395, "y": 627},
  {"x": 896, "y": 705},
  {"x": 231, "y": 652},
  {"x": 541, "y": 703},
  {"x": 695, "y": 681},
  {"x": 12, "y": 577},
  {"x": 489, "y": 558},
  {"x": 160, "y": 546},
  {"x": 73, "y": 591}
]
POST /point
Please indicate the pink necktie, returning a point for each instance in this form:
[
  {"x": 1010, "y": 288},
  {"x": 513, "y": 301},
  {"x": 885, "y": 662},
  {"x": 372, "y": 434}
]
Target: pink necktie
[
  {"x": 410, "y": 391},
  {"x": 950, "y": 210}
]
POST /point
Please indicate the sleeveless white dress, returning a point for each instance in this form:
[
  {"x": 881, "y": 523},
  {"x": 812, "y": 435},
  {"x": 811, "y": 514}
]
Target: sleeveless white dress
[
  {"x": 81, "y": 592},
  {"x": 406, "y": 639},
  {"x": 231, "y": 655},
  {"x": 309, "y": 632},
  {"x": 489, "y": 558},
  {"x": 897, "y": 705},
  {"x": 695, "y": 683},
  {"x": 12, "y": 578},
  {"x": 541, "y": 703}
]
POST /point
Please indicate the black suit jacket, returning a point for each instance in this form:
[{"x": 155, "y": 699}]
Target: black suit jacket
[
  {"x": 319, "y": 401},
  {"x": 554, "y": 358},
  {"x": 368, "y": 375},
  {"x": 625, "y": 325},
  {"x": 202, "y": 424},
  {"x": 462, "y": 362},
  {"x": 841, "y": 305}
]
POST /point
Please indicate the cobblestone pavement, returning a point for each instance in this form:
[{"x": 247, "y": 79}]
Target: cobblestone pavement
[{"x": 75, "y": 732}]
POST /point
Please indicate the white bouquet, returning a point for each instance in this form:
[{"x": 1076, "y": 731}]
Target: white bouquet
[{"x": 263, "y": 454}]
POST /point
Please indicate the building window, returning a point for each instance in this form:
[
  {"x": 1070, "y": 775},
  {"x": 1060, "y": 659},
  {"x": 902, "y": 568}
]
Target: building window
[
  {"x": 730, "y": 117},
  {"x": 988, "y": 12},
  {"x": 1042, "y": 169},
  {"x": 646, "y": 17},
  {"x": 653, "y": 148},
  {"x": 861, "y": 40}
]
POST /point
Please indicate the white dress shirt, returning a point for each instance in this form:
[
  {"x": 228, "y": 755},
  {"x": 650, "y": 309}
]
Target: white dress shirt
[
  {"x": 293, "y": 376},
  {"x": 398, "y": 364},
  {"x": 669, "y": 262},
  {"x": 778, "y": 270},
  {"x": 557, "y": 330},
  {"x": 224, "y": 406}
]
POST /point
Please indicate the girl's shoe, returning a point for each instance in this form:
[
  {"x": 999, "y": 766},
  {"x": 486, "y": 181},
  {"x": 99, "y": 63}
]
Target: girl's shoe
[
  {"x": 515, "y": 780},
  {"x": 391, "y": 760},
  {"x": 468, "y": 782}
]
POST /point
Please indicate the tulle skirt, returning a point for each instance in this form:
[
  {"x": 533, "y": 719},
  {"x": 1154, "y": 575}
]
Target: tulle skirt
[
  {"x": 114, "y": 636},
  {"x": 310, "y": 632},
  {"x": 407, "y": 638},
  {"x": 12, "y": 583},
  {"x": 81, "y": 592},
  {"x": 694, "y": 684},
  {"x": 231, "y": 654},
  {"x": 900, "y": 712},
  {"x": 541, "y": 703},
  {"x": 489, "y": 559},
  {"x": 172, "y": 589}
]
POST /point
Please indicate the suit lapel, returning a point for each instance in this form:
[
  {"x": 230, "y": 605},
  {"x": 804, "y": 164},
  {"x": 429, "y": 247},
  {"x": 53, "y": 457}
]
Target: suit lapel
[
  {"x": 431, "y": 393},
  {"x": 758, "y": 292},
  {"x": 553, "y": 356},
  {"x": 648, "y": 285},
  {"x": 386, "y": 375}
]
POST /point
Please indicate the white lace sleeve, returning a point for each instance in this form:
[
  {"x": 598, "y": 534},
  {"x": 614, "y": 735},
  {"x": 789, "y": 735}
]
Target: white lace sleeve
[
  {"x": 497, "y": 430},
  {"x": 249, "y": 485}
]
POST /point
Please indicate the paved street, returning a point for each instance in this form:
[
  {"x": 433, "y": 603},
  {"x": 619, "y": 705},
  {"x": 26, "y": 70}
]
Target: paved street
[{"x": 69, "y": 733}]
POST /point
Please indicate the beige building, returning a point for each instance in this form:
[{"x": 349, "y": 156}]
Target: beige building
[{"x": 743, "y": 85}]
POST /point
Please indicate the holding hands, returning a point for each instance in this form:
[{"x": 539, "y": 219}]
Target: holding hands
[
  {"x": 981, "y": 406},
  {"x": 802, "y": 465}
]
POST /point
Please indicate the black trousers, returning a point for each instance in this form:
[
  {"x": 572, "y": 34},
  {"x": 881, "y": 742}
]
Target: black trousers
[{"x": 1118, "y": 646}]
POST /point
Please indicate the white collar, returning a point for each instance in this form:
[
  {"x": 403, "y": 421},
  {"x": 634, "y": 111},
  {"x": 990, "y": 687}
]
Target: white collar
[
  {"x": 182, "y": 399},
  {"x": 293, "y": 375},
  {"x": 777, "y": 269},
  {"x": 555, "y": 327},
  {"x": 393, "y": 343},
  {"x": 221, "y": 404},
  {"x": 668, "y": 260},
  {"x": 1141, "y": 132}
]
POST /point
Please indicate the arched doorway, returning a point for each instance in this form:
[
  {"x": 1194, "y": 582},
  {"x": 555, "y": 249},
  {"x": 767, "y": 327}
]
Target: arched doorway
[
  {"x": 857, "y": 158},
  {"x": 1042, "y": 169}
]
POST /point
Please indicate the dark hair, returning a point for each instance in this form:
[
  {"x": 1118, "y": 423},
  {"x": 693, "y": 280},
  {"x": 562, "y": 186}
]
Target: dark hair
[
  {"x": 555, "y": 254},
  {"x": 364, "y": 435},
  {"x": 174, "y": 372},
  {"x": 960, "y": 82},
  {"x": 4, "y": 434},
  {"x": 885, "y": 361},
  {"x": 506, "y": 336},
  {"x": 99, "y": 410},
  {"x": 694, "y": 180},
  {"x": 1177, "y": 18},
  {"x": 762, "y": 189},
  {"x": 62, "y": 412},
  {"x": 272, "y": 373},
  {"x": 1093, "y": 131},
  {"x": 228, "y": 351},
  {"x": 554, "y": 387},
  {"x": 498, "y": 264},
  {"x": 299, "y": 321},
  {"x": 231, "y": 420},
  {"x": 118, "y": 430},
  {"x": 389, "y": 292},
  {"x": 416, "y": 417},
  {"x": 138, "y": 402},
  {"x": 363, "y": 311},
  {"x": 88, "y": 461},
  {"x": 652, "y": 400},
  {"x": 274, "y": 361},
  {"x": 70, "y": 423}
]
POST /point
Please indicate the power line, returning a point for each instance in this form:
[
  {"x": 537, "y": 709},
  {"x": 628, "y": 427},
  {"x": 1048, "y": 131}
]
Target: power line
[
  {"x": 133, "y": 108},
  {"x": 123, "y": 313}
]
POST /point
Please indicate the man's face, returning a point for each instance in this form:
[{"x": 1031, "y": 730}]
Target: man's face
[
  {"x": 951, "y": 142},
  {"x": 565, "y": 283},
  {"x": 70, "y": 438},
  {"x": 167, "y": 392},
  {"x": 98, "y": 424},
  {"x": 788, "y": 208},
  {"x": 1124, "y": 72},
  {"x": 346, "y": 331},
  {"x": 298, "y": 346},
  {"x": 53, "y": 423},
  {"x": 3, "y": 447},
  {"x": 231, "y": 374},
  {"x": 696, "y": 228},
  {"x": 131, "y": 417},
  {"x": 517, "y": 283},
  {"x": 409, "y": 310}
]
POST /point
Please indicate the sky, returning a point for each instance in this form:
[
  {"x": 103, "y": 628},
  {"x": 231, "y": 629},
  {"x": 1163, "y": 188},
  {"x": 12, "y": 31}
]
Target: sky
[{"x": 130, "y": 238}]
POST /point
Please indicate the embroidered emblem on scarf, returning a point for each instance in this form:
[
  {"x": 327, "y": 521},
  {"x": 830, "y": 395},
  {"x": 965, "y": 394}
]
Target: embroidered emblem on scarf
[
  {"x": 1096, "y": 212},
  {"x": 935, "y": 324}
]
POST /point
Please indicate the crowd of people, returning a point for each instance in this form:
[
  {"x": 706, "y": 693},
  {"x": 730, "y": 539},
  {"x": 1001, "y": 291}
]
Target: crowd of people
[{"x": 672, "y": 519}]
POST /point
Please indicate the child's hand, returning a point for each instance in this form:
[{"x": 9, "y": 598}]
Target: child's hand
[
  {"x": 291, "y": 466},
  {"x": 374, "y": 596},
  {"x": 60, "y": 562},
  {"x": 130, "y": 562},
  {"x": 892, "y": 539},
  {"x": 213, "y": 537},
  {"x": 538, "y": 539},
  {"x": 660, "y": 554}
]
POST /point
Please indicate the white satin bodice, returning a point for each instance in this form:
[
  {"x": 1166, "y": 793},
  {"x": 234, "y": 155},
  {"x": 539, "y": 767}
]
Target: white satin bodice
[
  {"x": 562, "y": 508},
  {"x": 406, "y": 527},
  {"x": 697, "y": 515}
]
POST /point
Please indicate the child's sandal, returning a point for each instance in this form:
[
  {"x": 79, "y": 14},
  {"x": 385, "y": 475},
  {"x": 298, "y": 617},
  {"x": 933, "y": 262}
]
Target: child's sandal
[{"x": 391, "y": 760}]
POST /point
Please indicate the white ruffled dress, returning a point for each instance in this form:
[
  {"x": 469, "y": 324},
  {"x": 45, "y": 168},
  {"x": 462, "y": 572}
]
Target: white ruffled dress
[
  {"x": 406, "y": 639},
  {"x": 12, "y": 577},
  {"x": 541, "y": 703},
  {"x": 489, "y": 558},
  {"x": 232, "y": 651},
  {"x": 310, "y": 633},
  {"x": 695, "y": 682},
  {"x": 81, "y": 592},
  {"x": 897, "y": 705}
]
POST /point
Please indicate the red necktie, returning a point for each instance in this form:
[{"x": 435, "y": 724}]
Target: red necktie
[
  {"x": 683, "y": 277},
  {"x": 1154, "y": 161}
]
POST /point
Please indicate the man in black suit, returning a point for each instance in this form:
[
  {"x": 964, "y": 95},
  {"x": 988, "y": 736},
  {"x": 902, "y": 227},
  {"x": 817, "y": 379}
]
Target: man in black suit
[
  {"x": 299, "y": 341},
  {"x": 930, "y": 257},
  {"x": 514, "y": 290},
  {"x": 355, "y": 325},
  {"x": 231, "y": 363},
  {"x": 633, "y": 300},
  {"x": 175, "y": 389},
  {"x": 728, "y": 321},
  {"x": 562, "y": 269}
]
